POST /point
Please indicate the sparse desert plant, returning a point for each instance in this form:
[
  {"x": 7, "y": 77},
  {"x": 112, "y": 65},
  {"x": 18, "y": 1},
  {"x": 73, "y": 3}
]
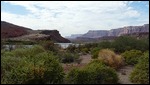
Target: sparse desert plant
[
  {"x": 131, "y": 57},
  {"x": 110, "y": 58},
  {"x": 140, "y": 73}
]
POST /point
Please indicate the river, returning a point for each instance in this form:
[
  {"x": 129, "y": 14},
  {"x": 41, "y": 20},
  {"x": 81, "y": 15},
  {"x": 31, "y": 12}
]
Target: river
[{"x": 11, "y": 47}]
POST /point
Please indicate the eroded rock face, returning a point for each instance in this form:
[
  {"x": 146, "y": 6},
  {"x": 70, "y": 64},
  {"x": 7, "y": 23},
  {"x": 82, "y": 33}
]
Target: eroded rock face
[{"x": 117, "y": 32}]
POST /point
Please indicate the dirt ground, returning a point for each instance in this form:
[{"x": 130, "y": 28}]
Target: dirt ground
[{"x": 124, "y": 73}]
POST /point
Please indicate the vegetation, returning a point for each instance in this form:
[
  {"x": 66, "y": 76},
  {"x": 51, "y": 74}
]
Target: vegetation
[
  {"x": 23, "y": 66},
  {"x": 50, "y": 46},
  {"x": 123, "y": 43},
  {"x": 69, "y": 57},
  {"x": 132, "y": 56},
  {"x": 14, "y": 42},
  {"x": 140, "y": 74},
  {"x": 110, "y": 58},
  {"x": 95, "y": 52},
  {"x": 40, "y": 64},
  {"x": 94, "y": 73}
]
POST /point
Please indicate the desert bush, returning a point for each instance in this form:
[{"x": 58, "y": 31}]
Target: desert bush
[
  {"x": 85, "y": 50},
  {"x": 69, "y": 57},
  {"x": 93, "y": 73},
  {"x": 105, "y": 44},
  {"x": 140, "y": 73},
  {"x": 49, "y": 45},
  {"x": 71, "y": 48},
  {"x": 39, "y": 68},
  {"x": 131, "y": 57},
  {"x": 124, "y": 43},
  {"x": 95, "y": 52},
  {"x": 110, "y": 58}
]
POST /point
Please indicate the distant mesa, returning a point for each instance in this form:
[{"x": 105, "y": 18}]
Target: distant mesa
[
  {"x": 116, "y": 32},
  {"x": 73, "y": 36},
  {"x": 96, "y": 35}
]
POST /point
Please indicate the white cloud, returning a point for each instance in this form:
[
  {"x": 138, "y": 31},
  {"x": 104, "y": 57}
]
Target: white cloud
[{"x": 71, "y": 17}]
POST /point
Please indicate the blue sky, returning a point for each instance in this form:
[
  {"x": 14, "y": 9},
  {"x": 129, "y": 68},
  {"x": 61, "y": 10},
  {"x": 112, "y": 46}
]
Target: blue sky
[
  {"x": 75, "y": 17},
  {"x": 15, "y": 9}
]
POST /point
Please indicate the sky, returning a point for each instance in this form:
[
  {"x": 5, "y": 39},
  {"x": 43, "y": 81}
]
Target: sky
[{"x": 75, "y": 17}]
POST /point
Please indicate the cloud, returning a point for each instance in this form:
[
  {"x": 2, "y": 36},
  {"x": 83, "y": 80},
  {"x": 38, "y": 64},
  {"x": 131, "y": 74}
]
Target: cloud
[{"x": 71, "y": 17}]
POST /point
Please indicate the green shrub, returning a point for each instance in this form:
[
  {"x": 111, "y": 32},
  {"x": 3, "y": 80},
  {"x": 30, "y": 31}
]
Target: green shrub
[
  {"x": 124, "y": 43},
  {"x": 84, "y": 50},
  {"x": 110, "y": 58},
  {"x": 38, "y": 68},
  {"x": 95, "y": 52},
  {"x": 49, "y": 45},
  {"x": 131, "y": 57},
  {"x": 69, "y": 57},
  {"x": 105, "y": 44},
  {"x": 140, "y": 73},
  {"x": 71, "y": 48},
  {"x": 94, "y": 73}
]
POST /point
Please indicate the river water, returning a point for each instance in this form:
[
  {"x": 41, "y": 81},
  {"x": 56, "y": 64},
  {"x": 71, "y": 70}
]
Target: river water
[
  {"x": 65, "y": 45},
  {"x": 10, "y": 47}
]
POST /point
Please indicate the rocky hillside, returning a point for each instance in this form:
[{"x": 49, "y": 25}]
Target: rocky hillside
[
  {"x": 9, "y": 30},
  {"x": 15, "y": 32},
  {"x": 54, "y": 35},
  {"x": 117, "y": 32}
]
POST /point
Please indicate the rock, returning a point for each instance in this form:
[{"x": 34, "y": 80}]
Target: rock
[
  {"x": 15, "y": 32},
  {"x": 9, "y": 30}
]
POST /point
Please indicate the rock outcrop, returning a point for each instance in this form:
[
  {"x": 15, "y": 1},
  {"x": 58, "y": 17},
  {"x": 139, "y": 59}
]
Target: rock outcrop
[
  {"x": 15, "y": 32},
  {"x": 54, "y": 35}
]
